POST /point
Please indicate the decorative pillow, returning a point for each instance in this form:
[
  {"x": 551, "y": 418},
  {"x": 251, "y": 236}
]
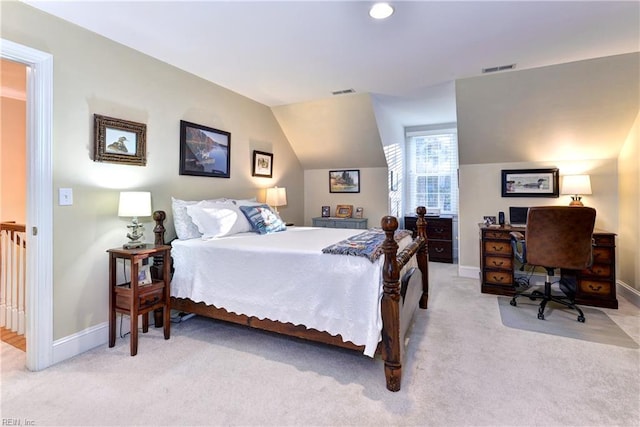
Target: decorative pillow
[
  {"x": 218, "y": 219},
  {"x": 263, "y": 219},
  {"x": 185, "y": 228}
]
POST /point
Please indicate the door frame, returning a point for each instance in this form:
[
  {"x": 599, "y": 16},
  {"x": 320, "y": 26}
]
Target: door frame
[{"x": 39, "y": 223}]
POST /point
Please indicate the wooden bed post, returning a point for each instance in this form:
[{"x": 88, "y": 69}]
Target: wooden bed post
[
  {"x": 159, "y": 263},
  {"x": 390, "y": 306},
  {"x": 423, "y": 255}
]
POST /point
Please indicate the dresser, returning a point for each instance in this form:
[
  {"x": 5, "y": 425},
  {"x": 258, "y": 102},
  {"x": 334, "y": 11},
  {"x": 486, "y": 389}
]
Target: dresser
[
  {"x": 335, "y": 222},
  {"x": 439, "y": 236},
  {"x": 595, "y": 286}
]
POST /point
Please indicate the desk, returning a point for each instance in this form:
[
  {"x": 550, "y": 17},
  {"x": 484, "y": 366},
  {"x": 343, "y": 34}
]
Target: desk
[{"x": 595, "y": 286}]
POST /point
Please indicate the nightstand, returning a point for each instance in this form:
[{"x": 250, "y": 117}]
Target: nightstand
[{"x": 133, "y": 298}]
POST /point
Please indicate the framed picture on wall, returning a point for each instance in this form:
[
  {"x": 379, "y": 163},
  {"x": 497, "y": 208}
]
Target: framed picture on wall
[
  {"x": 204, "y": 151},
  {"x": 119, "y": 141},
  {"x": 530, "y": 182},
  {"x": 344, "y": 181},
  {"x": 262, "y": 164}
]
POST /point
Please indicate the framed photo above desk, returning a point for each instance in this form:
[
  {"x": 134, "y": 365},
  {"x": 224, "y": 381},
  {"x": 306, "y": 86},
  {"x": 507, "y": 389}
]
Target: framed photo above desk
[{"x": 530, "y": 182}]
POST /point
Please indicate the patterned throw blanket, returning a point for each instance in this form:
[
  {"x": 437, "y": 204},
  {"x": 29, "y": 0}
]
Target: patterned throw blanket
[{"x": 367, "y": 244}]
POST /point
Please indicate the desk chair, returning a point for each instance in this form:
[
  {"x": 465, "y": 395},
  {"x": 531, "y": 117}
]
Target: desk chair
[{"x": 555, "y": 237}]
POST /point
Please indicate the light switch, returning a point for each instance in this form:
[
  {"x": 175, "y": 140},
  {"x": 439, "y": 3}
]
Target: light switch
[{"x": 65, "y": 196}]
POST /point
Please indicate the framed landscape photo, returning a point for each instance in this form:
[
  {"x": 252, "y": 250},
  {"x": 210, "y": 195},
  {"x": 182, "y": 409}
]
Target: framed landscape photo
[
  {"x": 262, "y": 164},
  {"x": 204, "y": 151},
  {"x": 530, "y": 182},
  {"x": 119, "y": 141},
  {"x": 344, "y": 181}
]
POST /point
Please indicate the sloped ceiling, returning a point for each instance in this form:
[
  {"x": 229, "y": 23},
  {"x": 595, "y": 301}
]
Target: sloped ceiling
[
  {"x": 339, "y": 132},
  {"x": 573, "y": 111}
]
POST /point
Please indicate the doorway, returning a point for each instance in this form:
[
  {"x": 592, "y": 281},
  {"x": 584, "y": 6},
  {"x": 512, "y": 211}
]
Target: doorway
[{"x": 39, "y": 209}]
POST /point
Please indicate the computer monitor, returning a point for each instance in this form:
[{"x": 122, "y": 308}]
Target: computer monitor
[{"x": 518, "y": 215}]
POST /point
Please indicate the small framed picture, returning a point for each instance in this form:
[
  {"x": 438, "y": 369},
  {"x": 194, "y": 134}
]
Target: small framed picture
[
  {"x": 119, "y": 141},
  {"x": 262, "y": 164},
  {"x": 344, "y": 211},
  {"x": 144, "y": 275},
  {"x": 359, "y": 213},
  {"x": 326, "y": 211},
  {"x": 204, "y": 151},
  {"x": 489, "y": 220}
]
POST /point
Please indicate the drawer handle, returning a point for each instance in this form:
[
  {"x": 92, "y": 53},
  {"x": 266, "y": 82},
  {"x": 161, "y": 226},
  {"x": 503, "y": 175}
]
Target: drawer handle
[
  {"x": 498, "y": 264},
  {"x": 497, "y": 248},
  {"x": 497, "y": 279},
  {"x": 595, "y": 288},
  {"x": 438, "y": 230},
  {"x": 439, "y": 250}
]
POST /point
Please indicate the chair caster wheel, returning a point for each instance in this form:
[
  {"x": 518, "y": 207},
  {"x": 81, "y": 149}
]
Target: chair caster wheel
[
  {"x": 541, "y": 316},
  {"x": 513, "y": 302},
  {"x": 581, "y": 319}
]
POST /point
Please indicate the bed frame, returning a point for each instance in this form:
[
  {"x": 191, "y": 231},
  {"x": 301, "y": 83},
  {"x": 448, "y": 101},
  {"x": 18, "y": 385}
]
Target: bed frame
[{"x": 400, "y": 298}]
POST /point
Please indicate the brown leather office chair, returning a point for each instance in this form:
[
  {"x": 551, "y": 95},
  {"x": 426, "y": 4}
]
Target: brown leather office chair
[{"x": 555, "y": 237}]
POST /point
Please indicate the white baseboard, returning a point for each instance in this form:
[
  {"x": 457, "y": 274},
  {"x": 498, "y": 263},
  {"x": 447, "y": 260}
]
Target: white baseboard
[
  {"x": 469, "y": 272},
  {"x": 72, "y": 345},
  {"x": 631, "y": 294}
]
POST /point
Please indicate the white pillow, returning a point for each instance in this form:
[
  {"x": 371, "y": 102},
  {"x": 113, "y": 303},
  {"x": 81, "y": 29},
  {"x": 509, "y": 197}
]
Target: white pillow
[
  {"x": 218, "y": 219},
  {"x": 185, "y": 228}
]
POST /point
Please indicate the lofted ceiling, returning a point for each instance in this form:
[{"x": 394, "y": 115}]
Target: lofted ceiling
[{"x": 286, "y": 54}]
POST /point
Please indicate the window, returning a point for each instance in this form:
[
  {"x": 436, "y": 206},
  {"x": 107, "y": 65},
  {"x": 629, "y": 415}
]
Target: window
[{"x": 432, "y": 168}]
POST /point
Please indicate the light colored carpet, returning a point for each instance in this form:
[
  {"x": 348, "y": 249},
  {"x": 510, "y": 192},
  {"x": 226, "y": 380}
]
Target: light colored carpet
[
  {"x": 561, "y": 321},
  {"x": 463, "y": 368}
]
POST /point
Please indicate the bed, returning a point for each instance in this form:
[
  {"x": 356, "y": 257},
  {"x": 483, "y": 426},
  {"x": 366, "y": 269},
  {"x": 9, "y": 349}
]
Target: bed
[{"x": 283, "y": 282}]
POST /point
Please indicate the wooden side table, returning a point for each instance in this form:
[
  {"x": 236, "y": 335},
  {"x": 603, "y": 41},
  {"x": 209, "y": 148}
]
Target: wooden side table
[{"x": 133, "y": 298}]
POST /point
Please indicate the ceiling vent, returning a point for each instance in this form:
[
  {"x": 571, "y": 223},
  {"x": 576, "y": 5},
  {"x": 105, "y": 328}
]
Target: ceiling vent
[
  {"x": 498, "y": 68},
  {"x": 343, "y": 91}
]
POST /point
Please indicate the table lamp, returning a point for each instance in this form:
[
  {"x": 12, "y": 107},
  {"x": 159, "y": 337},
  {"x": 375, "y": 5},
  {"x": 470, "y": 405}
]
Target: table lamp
[
  {"x": 576, "y": 185},
  {"x": 134, "y": 204},
  {"x": 276, "y": 196}
]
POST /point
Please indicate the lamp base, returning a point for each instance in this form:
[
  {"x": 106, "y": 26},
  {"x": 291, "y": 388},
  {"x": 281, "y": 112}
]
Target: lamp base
[
  {"x": 576, "y": 201},
  {"x": 133, "y": 245}
]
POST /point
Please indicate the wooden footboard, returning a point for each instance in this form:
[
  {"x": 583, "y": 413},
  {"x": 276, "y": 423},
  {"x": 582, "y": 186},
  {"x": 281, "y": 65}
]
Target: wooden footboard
[{"x": 399, "y": 301}]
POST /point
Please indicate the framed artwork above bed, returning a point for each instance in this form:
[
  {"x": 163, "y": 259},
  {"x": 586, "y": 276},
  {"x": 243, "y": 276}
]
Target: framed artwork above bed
[
  {"x": 262, "y": 164},
  {"x": 119, "y": 141},
  {"x": 204, "y": 151}
]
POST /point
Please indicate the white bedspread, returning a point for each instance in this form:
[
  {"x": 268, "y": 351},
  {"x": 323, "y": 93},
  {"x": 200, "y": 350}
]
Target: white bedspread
[{"x": 285, "y": 276}]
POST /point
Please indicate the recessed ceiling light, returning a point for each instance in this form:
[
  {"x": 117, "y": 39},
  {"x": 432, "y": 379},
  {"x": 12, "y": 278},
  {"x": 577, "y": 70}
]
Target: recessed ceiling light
[{"x": 381, "y": 11}]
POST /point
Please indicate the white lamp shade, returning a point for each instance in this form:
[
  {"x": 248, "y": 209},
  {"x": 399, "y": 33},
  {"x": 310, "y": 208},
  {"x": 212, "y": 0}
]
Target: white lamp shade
[
  {"x": 576, "y": 184},
  {"x": 276, "y": 196},
  {"x": 134, "y": 203}
]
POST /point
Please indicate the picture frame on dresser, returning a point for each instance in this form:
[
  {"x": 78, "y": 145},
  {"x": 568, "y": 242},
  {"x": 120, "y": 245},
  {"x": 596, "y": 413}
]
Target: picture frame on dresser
[
  {"x": 204, "y": 151},
  {"x": 326, "y": 212},
  {"x": 344, "y": 211},
  {"x": 119, "y": 141},
  {"x": 531, "y": 182}
]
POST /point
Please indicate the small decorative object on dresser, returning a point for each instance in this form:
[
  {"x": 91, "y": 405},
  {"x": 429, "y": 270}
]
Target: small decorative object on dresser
[
  {"x": 326, "y": 212},
  {"x": 119, "y": 141},
  {"x": 359, "y": 213},
  {"x": 344, "y": 211}
]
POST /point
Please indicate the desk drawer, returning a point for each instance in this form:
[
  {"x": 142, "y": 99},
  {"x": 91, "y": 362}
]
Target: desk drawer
[
  {"x": 594, "y": 287},
  {"x": 499, "y": 247},
  {"x": 440, "y": 250},
  {"x": 439, "y": 229},
  {"x": 602, "y": 255},
  {"x": 497, "y": 277},
  {"x": 599, "y": 270},
  {"x": 496, "y": 234},
  {"x": 498, "y": 262}
]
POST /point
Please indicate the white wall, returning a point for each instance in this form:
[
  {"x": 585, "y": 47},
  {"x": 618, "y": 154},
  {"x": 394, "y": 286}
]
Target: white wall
[
  {"x": 372, "y": 197},
  {"x": 93, "y": 75},
  {"x": 481, "y": 194}
]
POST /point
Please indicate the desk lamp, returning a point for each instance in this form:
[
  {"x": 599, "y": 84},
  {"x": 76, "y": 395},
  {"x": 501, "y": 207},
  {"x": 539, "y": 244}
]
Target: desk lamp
[
  {"x": 134, "y": 204},
  {"x": 576, "y": 185},
  {"x": 276, "y": 196}
]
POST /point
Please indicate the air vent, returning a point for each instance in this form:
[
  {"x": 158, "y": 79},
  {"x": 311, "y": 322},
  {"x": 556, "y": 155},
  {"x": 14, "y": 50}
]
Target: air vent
[
  {"x": 498, "y": 68},
  {"x": 342, "y": 92}
]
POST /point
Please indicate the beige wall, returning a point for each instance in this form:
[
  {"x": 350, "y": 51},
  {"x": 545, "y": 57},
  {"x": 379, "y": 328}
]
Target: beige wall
[
  {"x": 629, "y": 218},
  {"x": 480, "y": 195},
  {"x": 13, "y": 167},
  {"x": 373, "y": 196},
  {"x": 93, "y": 75}
]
